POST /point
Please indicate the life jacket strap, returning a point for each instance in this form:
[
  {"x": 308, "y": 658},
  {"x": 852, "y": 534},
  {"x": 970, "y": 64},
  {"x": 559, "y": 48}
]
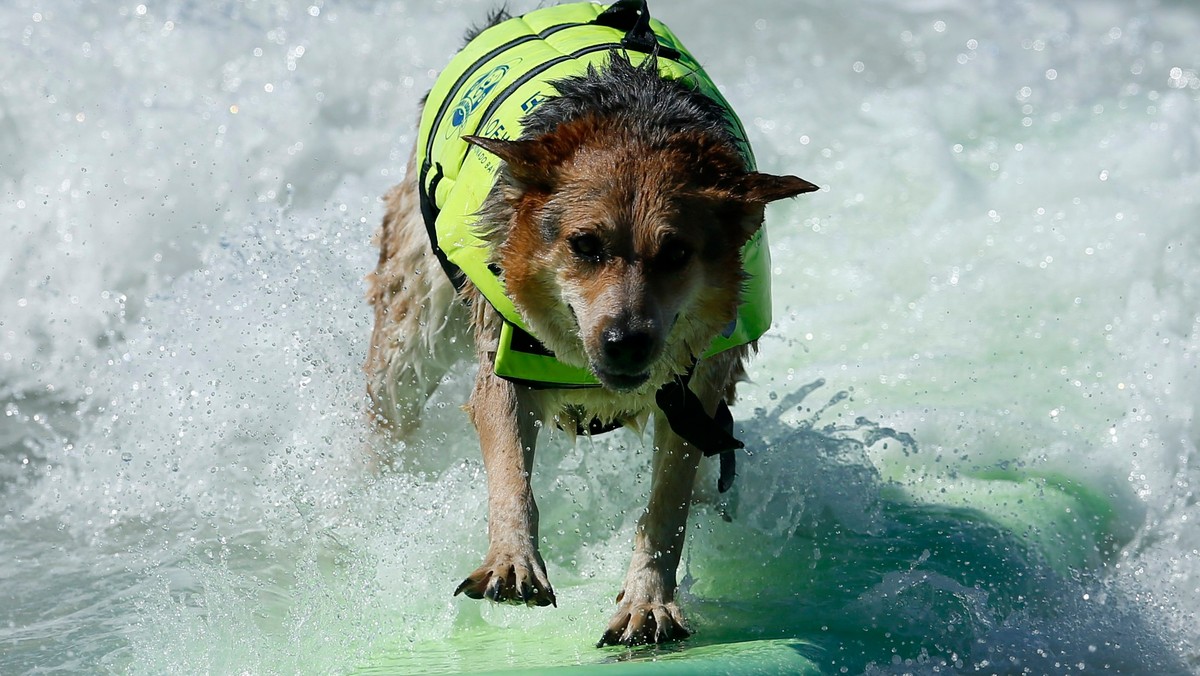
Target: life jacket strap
[
  {"x": 429, "y": 213},
  {"x": 712, "y": 435}
]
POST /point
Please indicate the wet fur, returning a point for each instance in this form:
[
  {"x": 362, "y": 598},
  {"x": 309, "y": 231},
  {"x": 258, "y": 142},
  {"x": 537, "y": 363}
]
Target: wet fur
[{"x": 648, "y": 168}]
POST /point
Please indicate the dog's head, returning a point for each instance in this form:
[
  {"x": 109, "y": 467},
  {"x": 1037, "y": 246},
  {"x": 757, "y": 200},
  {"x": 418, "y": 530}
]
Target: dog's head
[{"x": 622, "y": 252}]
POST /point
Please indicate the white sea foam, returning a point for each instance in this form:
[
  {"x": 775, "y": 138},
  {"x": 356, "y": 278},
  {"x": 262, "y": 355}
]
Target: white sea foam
[{"x": 1003, "y": 266}]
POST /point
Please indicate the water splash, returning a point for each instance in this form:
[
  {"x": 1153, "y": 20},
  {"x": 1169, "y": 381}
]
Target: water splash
[{"x": 1008, "y": 280}]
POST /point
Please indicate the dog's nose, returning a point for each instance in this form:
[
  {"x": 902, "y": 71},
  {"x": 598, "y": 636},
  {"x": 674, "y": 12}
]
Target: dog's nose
[{"x": 627, "y": 350}]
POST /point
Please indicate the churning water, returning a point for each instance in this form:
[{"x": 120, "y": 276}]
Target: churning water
[{"x": 1001, "y": 274}]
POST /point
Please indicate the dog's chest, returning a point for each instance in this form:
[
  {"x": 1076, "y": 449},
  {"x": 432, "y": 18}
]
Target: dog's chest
[{"x": 584, "y": 408}]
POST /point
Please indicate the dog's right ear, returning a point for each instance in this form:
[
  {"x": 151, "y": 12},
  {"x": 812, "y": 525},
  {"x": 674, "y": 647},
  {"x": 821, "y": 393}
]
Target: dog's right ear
[{"x": 530, "y": 162}]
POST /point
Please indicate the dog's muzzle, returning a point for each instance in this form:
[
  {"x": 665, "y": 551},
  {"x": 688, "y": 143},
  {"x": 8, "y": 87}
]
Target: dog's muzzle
[{"x": 626, "y": 354}]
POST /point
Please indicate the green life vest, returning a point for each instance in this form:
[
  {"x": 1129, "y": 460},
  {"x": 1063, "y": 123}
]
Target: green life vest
[{"x": 486, "y": 90}]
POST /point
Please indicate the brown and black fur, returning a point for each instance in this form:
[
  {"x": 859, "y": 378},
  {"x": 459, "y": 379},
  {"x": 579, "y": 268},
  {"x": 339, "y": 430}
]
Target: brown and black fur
[{"x": 617, "y": 221}]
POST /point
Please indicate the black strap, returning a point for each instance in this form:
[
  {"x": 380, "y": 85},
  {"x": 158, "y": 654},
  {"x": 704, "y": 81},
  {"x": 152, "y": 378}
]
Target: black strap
[
  {"x": 724, "y": 418},
  {"x": 687, "y": 417},
  {"x": 429, "y": 212},
  {"x": 633, "y": 17}
]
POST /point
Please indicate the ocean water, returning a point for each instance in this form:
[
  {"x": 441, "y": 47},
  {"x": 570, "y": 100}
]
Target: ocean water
[{"x": 1000, "y": 275}]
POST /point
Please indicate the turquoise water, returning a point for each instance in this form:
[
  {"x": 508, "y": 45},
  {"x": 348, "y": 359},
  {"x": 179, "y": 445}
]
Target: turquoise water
[{"x": 998, "y": 283}]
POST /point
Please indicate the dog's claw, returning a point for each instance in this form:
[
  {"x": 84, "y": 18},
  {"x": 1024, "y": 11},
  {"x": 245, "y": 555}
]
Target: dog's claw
[
  {"x": 643, "y": 624},
  {"x": 511, "y": 579},
  {"x": 467, "y": 587},
  {"x": 492, "y": 591}
]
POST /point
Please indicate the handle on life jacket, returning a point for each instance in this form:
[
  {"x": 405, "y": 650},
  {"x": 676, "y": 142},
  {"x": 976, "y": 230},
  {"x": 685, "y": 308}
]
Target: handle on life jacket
[{"x": 633, "y": 17}]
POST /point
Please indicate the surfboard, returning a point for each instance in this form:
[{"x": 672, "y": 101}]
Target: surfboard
[{"x": 953, "y": 555}]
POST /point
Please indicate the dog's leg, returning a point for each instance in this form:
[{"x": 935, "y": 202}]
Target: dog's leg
[
  {"x": 506, "y": 415},
  {"x": 421, "y": 330},
  {"x": 646, "y": 608}
]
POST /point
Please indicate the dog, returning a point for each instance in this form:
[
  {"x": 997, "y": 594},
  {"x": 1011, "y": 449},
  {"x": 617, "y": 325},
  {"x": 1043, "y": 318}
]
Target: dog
[{"x": 579, "y": 213}]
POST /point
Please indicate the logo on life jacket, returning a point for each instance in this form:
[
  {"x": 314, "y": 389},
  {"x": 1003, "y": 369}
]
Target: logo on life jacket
[{"x": 476, "y": 93}]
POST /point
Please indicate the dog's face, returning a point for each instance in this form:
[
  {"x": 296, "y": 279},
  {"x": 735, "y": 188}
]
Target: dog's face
[{"x": 624, "y": 256}]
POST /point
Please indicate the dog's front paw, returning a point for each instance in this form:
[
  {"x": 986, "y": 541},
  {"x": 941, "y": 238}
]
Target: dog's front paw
[
  {"x": 517, "y": 577},
  {"x": 640, "y": 623}
]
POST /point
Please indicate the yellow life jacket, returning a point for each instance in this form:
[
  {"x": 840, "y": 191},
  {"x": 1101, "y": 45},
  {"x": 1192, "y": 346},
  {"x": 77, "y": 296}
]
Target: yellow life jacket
[{"x": 486, "y": 90}]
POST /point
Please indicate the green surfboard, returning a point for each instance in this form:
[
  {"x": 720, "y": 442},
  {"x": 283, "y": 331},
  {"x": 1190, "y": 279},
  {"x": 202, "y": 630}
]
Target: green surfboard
[{"x": 951, "y": 554}]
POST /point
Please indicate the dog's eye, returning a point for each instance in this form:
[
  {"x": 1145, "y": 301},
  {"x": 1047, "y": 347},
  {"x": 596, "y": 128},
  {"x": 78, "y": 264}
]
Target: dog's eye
[
  {"x": 587, "y": 247},
  {"x": 675, "y": 254}
]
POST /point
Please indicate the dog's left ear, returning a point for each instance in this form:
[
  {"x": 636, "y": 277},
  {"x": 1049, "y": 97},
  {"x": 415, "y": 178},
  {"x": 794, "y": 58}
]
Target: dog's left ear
[
  {"x": 756, "y": 188},
  {"x": 740, "y": 199}
]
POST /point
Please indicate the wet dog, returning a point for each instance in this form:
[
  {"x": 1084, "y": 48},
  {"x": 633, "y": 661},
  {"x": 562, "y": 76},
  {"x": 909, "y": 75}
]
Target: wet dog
[{"x": 610, "y": 234}]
